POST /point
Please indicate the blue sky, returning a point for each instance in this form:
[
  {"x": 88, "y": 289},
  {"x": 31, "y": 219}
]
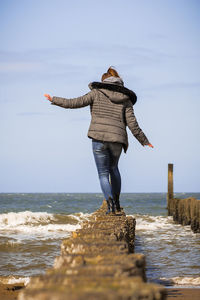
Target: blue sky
[{"x": 58, "y": 47}]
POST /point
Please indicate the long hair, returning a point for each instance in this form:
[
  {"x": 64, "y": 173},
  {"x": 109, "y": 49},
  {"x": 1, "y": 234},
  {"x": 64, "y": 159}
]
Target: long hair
[{"x": 111, "y": 72}]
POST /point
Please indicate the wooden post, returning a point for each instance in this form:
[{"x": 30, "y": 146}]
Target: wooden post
[{"x": 170, "y": 194}]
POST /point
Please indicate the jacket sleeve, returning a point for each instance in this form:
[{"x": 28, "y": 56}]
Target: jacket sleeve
[
  {"x": 133, "y": 125},
  {"x": 74, "y": 102}
]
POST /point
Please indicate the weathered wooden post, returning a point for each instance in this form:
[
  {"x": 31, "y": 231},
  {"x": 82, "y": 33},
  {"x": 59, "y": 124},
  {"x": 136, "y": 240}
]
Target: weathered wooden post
[{"x": 170, "y": 194}]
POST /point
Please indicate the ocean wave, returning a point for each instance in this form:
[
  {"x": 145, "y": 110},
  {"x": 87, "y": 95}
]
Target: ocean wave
[
  {"x": 14, "y": 280},
  {"x": 149, "y": 223},
  {"x": 8, "y": 244},
  {"x": 185, "y": 281},
  {"x": 80, "y": 216},
  {"x": 154, "y": 223},
  {"x": 13, "y": 219},
  {"x": 43, "y": 229},
  {"x": 40, "y": 223},
  {"x": 13, "y": 243}
]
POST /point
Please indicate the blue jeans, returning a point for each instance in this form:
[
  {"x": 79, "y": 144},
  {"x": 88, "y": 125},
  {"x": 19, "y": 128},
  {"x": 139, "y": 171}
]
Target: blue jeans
[{"x": 106, "y": 155}]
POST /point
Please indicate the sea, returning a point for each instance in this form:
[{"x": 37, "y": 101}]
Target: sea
[{"x": 33, "y": 225}]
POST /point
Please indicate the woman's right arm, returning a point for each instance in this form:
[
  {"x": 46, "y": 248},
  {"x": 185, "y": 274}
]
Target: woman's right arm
[{"x": 72, "y": 102}]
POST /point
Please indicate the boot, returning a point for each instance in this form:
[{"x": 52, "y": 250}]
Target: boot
[
  {"x": 111, "y": 206},
  {"x": 117, "y": 204},
  {"x": 108, "y": 205}
]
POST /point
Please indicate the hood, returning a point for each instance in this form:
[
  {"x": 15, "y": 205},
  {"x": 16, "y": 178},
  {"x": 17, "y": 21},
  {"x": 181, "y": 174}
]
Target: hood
[
  {"x": 114, "y": 80},
  {"x": 113, "y": 88}
]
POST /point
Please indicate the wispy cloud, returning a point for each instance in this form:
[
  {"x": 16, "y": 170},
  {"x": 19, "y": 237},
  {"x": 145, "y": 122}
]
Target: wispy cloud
[
  {"x": 20, "y": 67},
  {"x": 29, "y": 114},
  {"x": 76, "y": 57},
  {"x": 85, "y": 60},
  {"x": 174, "y": 85}
]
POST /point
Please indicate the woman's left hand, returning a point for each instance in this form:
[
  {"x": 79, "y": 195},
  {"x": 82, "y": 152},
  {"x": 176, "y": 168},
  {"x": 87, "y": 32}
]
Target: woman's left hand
[{"x": 48, "y": 97}]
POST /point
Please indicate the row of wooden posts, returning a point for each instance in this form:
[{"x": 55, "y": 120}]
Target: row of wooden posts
[{"x": 184, "y": 211}]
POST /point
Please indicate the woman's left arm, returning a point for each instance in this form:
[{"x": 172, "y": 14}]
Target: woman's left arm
[
  {"x": 72, "y": 103},
  {"x": 134, "y": 127}
]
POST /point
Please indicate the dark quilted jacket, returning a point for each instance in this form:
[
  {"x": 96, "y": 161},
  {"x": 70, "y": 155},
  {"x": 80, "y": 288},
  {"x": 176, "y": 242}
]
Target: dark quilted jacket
[{"x": 111, "y": 106}]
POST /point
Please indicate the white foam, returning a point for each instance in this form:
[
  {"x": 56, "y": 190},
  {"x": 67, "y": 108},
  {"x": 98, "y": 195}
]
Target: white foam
[
  {"x": 14, "y": 243},
  {"x": 37, "y": 223},
  {"x": 158, "y": 223},
  {"x": 149, "y": 223},
  {"x": 12, "y": 219},
  {"x": 24, "y": 280},
  {"x": 184, "y": 280},
  {"x": 80, "y": 217},
  {"x": 14, "y": 280},
  {"x": 43, "y": 229}
]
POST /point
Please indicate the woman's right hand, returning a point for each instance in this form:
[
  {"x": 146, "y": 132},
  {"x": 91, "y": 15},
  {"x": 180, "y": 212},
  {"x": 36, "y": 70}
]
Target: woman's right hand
[
  {"x": 48, "y": 97},
  {"x": 150, "y": 145}
]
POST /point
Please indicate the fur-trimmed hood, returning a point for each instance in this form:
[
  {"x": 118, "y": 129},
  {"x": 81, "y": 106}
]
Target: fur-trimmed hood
[{"x": 113, "y": 88}]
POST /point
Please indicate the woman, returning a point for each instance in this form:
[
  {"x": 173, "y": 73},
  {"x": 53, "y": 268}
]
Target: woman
[{"x": 111, "y": 107}]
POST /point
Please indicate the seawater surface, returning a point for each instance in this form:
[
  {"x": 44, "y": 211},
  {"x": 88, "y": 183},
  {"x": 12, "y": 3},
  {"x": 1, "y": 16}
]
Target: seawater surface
[{"x": 32, "y": 227}]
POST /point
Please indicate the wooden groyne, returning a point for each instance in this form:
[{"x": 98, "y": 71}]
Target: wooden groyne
[
  {"x": 97, "y": 262},
  {"x": 184, "y": 211}
]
